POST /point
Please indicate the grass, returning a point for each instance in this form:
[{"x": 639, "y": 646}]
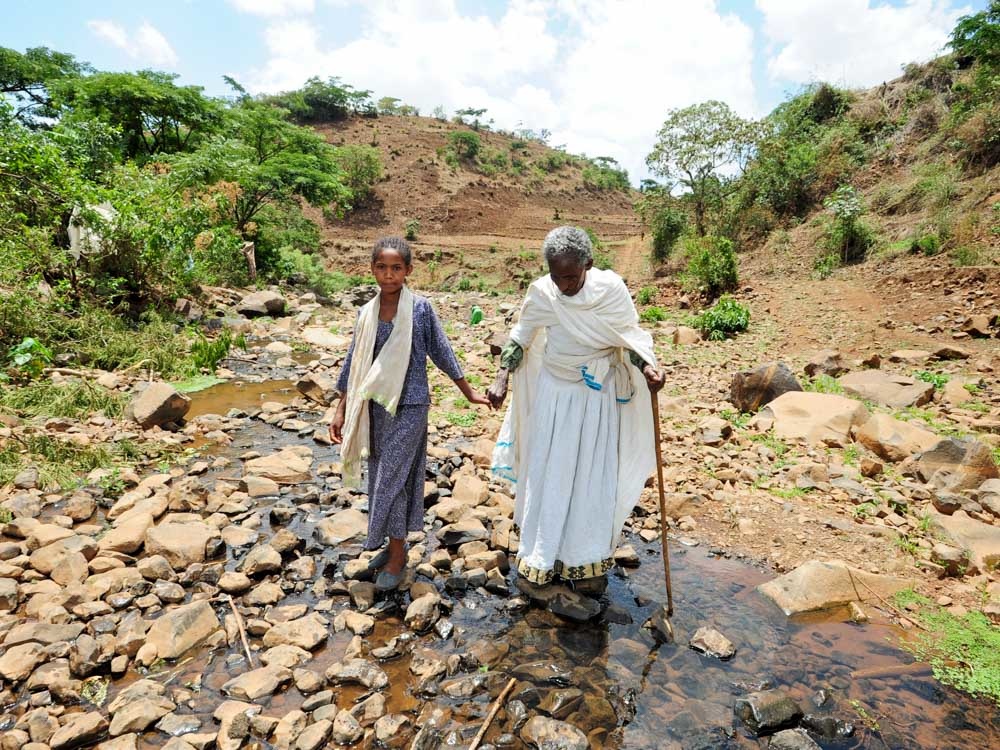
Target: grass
[
  {"x": 653, "y": 314},
  {"x": 461, "y": 419},
  {"x": 778, "y": 446},
  {"x": 823, "y": 384},
  {"x": 197, "y": 383},
  {"x": 851, "y": 455},
  {"x": 61, "y": 463},
  {"x": 863, "y": 510},
  {"x": 963, "y": 652},
  {"x": 937, "y": 379},
  {"x": 740, "y": 421},
  {"x": 75, "y": 399},
  {"x": 787, "y": 493}
]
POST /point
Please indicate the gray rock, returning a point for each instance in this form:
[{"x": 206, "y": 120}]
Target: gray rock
[
  {"x": 712, "y": 643},
  {"x": 550, "y": 734},
  {"x": 767, "y": 711},
  {"x": 261, "y": 303},
  {"x": 793, "y": 739},
  {"x": 158, "y": 404},
  {"x": 752, "y": 389}
]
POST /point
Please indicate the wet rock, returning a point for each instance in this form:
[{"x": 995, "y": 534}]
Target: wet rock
[
  {"x": 346, "y": 729},
  {"x": 817, "y": 418},
  {"x": 358, "y": 672},
  {"x": 955, "y": 464},
  {"x": 542, "y": 673},
  {"x": 261, "y": 560},
  {"x": 894, "y": 439},
  {"x": 423, "y": 613},
  {"x": 176, "y": 725},
  {"x": 560, "y": 703},
  {"x": 233, "y": 582},
  {"x": 767, "y": 711},
  {"x": 752, "y": 389},
  {"x": 978, "y": 540},
  {"x": 288, "y": 466},
  {"x": 234, "y": 725},
  {"x": 306, "y": 632},
  {"x": 314, "y": 736},
  {"x": 390, "y": 726},
  {"x": 660, "y": 625},
  {"x": 826, "y": 362},
  {"x": 341, "y": 527},
  {"x": 139, "y": 714},
  {"x": 256, "y": 487},
  {"x": 158, "y": 404},
  {"x": 517, "y": 714},
  {"x": 793, "y": 739},
  {"x": 894, "y": 391},
  {"x": 550, "y": 734},
  {"x": 818, "y": 585},
  {"x": 79, "y": 729},
  {"x": 574, "y": 606},
  {"x": 257, "y": 304},
  {"x": 626, "y": 556},
  {"x": 285, "y": 656},
  {"x": 356, "y": 622},
  {"x": 181, "y": 629},
  {"x": 317, "y": 387},
  {"x": 466, "y": 530},
  {"x": 711, "y": 642},
  {"x": 257, "y": 683}
]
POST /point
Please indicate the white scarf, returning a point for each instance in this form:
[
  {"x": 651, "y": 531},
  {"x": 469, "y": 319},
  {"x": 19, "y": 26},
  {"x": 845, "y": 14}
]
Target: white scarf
[
  {"x": 380, "y": 380},
  {"x": 604, "y": 325}
]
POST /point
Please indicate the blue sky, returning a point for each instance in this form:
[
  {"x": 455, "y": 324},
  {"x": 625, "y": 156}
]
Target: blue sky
[{"x": 600, "y": 74}]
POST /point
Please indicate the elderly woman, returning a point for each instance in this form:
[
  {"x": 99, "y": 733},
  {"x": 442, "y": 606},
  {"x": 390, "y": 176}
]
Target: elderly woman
[{"x": 577, "y": 438}]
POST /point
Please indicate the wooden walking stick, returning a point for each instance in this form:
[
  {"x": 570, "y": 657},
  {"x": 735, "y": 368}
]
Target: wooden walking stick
[{"x": 663, "y": 503}]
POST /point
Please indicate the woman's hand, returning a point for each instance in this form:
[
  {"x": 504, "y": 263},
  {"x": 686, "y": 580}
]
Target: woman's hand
[
  {"x": 337, "y": 425},
  {"x": 654, "y": 378},
  {"x": 498, "y": 391}
]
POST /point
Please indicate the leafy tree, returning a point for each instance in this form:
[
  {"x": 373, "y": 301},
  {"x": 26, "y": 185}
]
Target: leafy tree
[
  {"x": 465, "y": 143},
  {"x": 695, "y": 145},
  {"x": 27, "y": 77},
  {"x": 361, "y": 167},
  {"x": 978, "y": 36},
  {"x": 604, "y": 173},
  {"x": 153, "y": 113},
  {"x": 470, "y": 112},
  {"x": 388, "y": 105}
]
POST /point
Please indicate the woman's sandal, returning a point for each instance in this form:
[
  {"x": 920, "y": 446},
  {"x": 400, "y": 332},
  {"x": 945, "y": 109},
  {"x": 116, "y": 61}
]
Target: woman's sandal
[{"x": 380, "y": 560}]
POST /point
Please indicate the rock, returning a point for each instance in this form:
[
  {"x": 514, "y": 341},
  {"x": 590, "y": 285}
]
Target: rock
[
  {"x": 466, "y": 530},
  {"x": 257, "y": 304},
  {"x": 127, "y": 534},
  {"x": 423, "y": 613},
  {"x": 139, "y": 714},
  {"x": 955, "y": 561},
  {"x": 306, "y": 632},
  {"x": 551, "y": 734},
  {"x": 314, "y": 736},
  {"x": 685, "y": 336},
  {"x": 977, "y": 326},
  {"x": 257, "y": 683},
  {"x": 234, "y": 725},
  {"x": 767, "y": 711},
  {"x": 233, "y": 582},
  {"x": 818, "y": 585},
  {"x": 826, "y": 362},
  {"x": 948, "y": 352},
  {"x": 158, "y": 404},
  {"x": 9, "y": 596},
  {"x": 181, "y": 629},
  {"x": 180, "y": 544},
  {"x": 259, "y": 487},
  {"x": 626, "y": 556},
  {"x": 955, "y": 464},
  {"x": 341, "y": 527},
  {"x": 988, "y": 496},
  {"x": 346, "y": 729},
  {"x": 894, "y": 391},
  {"x": 18, "y": 662},
  {"x": 752, "y": 389},
  {"x": 909, "y": 356},
  {"x": 79, "y": 729},
  {"x": 389, "y": 726},
  {"x": 980, "y": 541},
  {"x": 713, "y": 643},
  {"x": 287, "y": 466},
  {"x": 714, "y": 431},
  {"x": 816, "y": 418},
  {"x": 357, "y": 672},
  {"x": 27, "y": 479},
  {"x": 894, "y": 439},
  {"x": 260, "y": 560},
  {"x": 574, "y": 606},
  {"x": 317, "y": 387},
  {"x": 792, "y": 739}
]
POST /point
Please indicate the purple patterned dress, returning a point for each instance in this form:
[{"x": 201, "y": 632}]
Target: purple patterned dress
[{"x": 398, "y": 457}]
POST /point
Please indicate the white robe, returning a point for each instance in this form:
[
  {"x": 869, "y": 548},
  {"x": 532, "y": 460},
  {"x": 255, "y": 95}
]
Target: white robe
[{"x": 577, "y": 438}]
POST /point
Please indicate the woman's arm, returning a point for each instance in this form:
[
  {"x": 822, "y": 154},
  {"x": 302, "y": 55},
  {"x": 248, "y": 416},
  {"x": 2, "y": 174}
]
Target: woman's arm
[{"x": 510, "y": 359}]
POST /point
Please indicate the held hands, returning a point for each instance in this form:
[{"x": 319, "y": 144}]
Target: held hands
[
  {"x": 654, "y": 378},
  {"x": 498, "y": 391}
]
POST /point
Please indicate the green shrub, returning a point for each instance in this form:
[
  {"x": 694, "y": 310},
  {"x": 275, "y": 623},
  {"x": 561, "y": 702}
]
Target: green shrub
[
  {"x": 823, "y": 384},
  {"x": 725, "y": 318},
  {"x": 645, "y": 295},
  {"x": 653, "y": 314},
  {"x": 928, "y": 244},
  {"x": 307, "y": 268},
  {"x": 937, "y": 379},
  {"x": 207, "y": 353},
  {"x": 362, "y": 168},
  {"x": 825, "y": 265},
  {"x": 966, "y": 255},
  {"x": 713, "y": 265},
  {"x": 604, "y": 173},
  {"x": 464, "y": 143},
  {"x": 666, "y": 225},
  {"x": 73, "y": 399},
  {"x": 411, "y": 227},
  {"x": 847, "y": 235}
]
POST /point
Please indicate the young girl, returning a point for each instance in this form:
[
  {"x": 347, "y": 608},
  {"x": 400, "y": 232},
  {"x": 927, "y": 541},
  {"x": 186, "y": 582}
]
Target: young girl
[{"x": 382, "y": 412}]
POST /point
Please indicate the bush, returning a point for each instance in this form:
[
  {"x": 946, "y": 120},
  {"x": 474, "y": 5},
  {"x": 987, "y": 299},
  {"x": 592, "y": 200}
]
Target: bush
[
  {"x": 307, "y": 269},
  {"x": 464, "y": 143},
  {"x": 666, "y": 225},
  {"x": 362, "y": 168},
  {"x": 645, "y": 295},
  {"x": 712, "y": 265},
  {"x": 725, "y": 318},
  {"x": 928, "y": 244},
  {"x": 847, "y": 235},
  {"x": 653, "y": 314},
  {"x": 411, "y": 227},
  {"x": 603, "y": 173}
]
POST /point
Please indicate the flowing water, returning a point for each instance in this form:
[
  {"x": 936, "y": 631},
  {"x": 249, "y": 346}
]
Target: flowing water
[{"x": 636, "y": 693}]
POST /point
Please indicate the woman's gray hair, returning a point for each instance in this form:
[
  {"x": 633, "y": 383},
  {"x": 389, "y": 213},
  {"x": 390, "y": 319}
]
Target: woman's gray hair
[{"x": 568, "y": 242}]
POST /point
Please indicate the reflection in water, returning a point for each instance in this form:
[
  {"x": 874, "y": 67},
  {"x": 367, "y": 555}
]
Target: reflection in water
[{"x": 239, "y": 394}]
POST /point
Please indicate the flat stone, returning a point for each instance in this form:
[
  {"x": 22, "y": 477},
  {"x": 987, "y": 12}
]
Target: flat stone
[
  {"x": 767, "y": 711},
  {"x": 711, "y": 642},
  {"x": 180, "y": 544},
  {"x": 306, "y": 632},
  {"x": 257, "y": 683},
  {"x": 287, "y": 466},
  {"x": 341, "y": 527},
  {"x": 816, "y": 585},
  {"x": 79, "y": 729},
  {"x": 816, "y": 418},
  {"x": 357, "y": 672},
  {"x": 181, "y": 629}
]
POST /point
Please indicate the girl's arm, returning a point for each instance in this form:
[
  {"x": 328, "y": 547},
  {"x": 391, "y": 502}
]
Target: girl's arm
[
  {"x": 440, "y": 351},
  {"x": 337, "y": 425}
]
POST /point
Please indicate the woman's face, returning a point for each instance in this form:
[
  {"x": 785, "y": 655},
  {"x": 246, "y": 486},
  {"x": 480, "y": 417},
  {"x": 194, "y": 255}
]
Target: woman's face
[
  {"x": 568, "y": 274},
  {"x": 390, "y": 270}
]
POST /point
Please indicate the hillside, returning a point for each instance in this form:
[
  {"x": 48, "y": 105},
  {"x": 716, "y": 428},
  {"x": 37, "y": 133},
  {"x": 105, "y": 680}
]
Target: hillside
[{"x": 470, "y": 217}]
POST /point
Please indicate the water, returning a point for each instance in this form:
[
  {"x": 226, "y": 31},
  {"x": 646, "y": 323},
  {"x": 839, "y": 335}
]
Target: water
[{"x": 637, "y": 694}]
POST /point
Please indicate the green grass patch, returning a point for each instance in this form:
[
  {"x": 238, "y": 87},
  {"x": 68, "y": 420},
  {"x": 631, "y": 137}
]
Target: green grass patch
[
  {"x": 788, "y": 493},
  {"x": 937, "y": 379},
  {"x": 197, "y": 383},
  {"x": 645, "y": 295},
  {"x": 823, "y": 384},
  {"x": 75, "y": 399},
  {"x": 778, "y": 446},
  {"x": 461, "y": 418},
  {"x": 653, "y": 314}
]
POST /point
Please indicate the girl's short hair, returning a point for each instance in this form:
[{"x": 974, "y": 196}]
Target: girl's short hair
[
  {"x": 398, "y": 244},
  {"x": 568, "y": 242}
]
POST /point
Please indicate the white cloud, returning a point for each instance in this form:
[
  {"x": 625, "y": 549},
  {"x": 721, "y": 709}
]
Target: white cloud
[
  {"x": 148, "y": 45},
  {"x": 853, "y": 42},
  {"x": 273, "y": 7},
  {"x": 600, "y": 74}
]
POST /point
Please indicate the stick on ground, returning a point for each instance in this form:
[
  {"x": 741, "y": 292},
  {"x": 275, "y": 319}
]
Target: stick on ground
[{"x": 492, "y": 714}]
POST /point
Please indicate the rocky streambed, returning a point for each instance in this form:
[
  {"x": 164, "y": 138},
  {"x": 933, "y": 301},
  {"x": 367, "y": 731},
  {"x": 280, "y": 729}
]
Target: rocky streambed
[{"x": 224, "y": 601}]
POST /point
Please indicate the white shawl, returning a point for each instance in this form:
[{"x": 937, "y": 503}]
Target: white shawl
[
  {"x": 380, "y": 380},
  {"x": 604, "y": 325}
]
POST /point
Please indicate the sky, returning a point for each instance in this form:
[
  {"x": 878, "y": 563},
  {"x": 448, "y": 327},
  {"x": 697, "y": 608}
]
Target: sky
[{"x": 601, "y": 75}]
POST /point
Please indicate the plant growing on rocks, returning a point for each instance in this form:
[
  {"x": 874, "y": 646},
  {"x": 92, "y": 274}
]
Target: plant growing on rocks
[
  {"x": 847, "y": 234},
  {"x": 724, "y": 319},
  {"x": 410, "y": 228},
  {"x": 713, "y": 266}
]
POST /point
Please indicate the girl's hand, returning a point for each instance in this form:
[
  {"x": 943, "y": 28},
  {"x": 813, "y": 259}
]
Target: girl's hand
[
  {"x": 337, "y": 428},
  {"x": 479, "y": 399},
  {"x": 654, "y": 378}
]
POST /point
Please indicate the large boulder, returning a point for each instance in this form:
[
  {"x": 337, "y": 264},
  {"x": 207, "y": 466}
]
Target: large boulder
[
  {"x": 752, "y": 389},
  {"x": 158, "y": 404},
  {"x": 979, "y": 540},
  {"x": 894, "y": 439},
  {"x": 288, "y": 466},
  {"x": 818, "y": 585},
  {"x": 341, "y": 526},
  {"x": 816, "y": 418},
  {"x": 181, "y": 629},
  {"x": 182, "y": 544},
  {"x": 894, "y": 391},
  {"x": 318, "y": 387},
  {"x": 261, "y": 303},
  {"x": 955, "y": 464}
]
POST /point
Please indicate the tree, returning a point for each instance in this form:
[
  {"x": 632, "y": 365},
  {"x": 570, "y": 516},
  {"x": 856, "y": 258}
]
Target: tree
[
  {"x": 475, "y": 114},
  {"x": 693, "y": 148},
  {"x": 154, "y": 114},
  {"x": 388, "y": 105},
  {"x": 465, "y": 143},
  {"x": 978, "y": 36},
  {"x": 362, "y": 168},
  {"x": 27, "y": 79}
]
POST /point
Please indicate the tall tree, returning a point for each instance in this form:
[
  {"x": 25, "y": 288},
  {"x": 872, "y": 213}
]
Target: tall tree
[
  {"x": 695, "y": 146},
  {"x": 27, "y": 78}
]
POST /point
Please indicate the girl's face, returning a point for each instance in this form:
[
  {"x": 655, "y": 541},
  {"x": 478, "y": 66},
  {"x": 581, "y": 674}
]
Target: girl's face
[
  {"x": 390, "y": 270},
  {"x": 568, "y": 275}
]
